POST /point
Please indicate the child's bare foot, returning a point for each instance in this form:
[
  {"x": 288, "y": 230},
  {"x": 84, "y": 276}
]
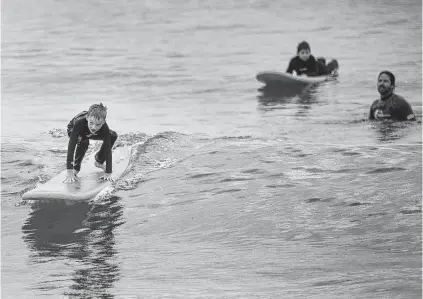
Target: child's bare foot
[{"x": 96, "y": 164}]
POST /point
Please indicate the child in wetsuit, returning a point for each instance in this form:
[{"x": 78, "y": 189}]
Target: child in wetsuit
[
  {"x": 85, "y": 126},
  {"x": 304, "y": 62}
]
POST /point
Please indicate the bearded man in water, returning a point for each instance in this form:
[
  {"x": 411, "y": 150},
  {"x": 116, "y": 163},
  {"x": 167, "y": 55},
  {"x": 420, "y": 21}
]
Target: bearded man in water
[{"x": 390, "y": 105}]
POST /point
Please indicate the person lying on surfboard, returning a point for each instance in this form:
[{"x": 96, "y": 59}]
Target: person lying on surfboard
[
  {"x": 305, "y": 63},
  {"x": 87, "y": 125},
  {"x": 390, "y": 105}
]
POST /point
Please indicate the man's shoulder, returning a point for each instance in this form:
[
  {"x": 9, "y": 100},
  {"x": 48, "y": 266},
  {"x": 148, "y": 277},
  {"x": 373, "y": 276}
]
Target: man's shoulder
[
  {"x": 399, "y": 98},
  {"x": 405, "y": 106},
  {"x": 375, "y": 102}
]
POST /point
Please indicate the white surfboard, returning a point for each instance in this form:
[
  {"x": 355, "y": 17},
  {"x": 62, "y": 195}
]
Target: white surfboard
[
  {"x": 272, "y": 78},
  {"x": 89, "y": 183}
]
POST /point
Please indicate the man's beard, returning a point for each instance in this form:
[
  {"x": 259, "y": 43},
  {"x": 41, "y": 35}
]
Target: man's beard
[{"x": 383, "y": 90}]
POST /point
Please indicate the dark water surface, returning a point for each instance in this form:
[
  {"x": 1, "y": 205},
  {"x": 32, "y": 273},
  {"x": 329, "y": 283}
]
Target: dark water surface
[{"x": 231, "y": 193}]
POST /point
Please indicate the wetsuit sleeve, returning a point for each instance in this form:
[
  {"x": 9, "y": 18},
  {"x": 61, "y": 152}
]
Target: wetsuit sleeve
[
  {"x": 70, "y": 125},
  {"x": 405, "y": 112},
  {"x": 291, "y": 66},
  {"x": 73, "y": 139},
  {"x": 321, "y": 69},
  {"x": 312, "y": 66},
  {"x": 107, "y": 143},
  {"x": 74, "y": 120},
  {"x": 371, "y": 112}
]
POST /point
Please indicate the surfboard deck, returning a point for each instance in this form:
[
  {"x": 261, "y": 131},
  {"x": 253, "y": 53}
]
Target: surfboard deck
[
  {"x": 89, "y": 183},
  {"x": 273, "y": 78}
]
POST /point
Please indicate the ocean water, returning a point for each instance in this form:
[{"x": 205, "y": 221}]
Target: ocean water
[{"x": 231, "y": 192}]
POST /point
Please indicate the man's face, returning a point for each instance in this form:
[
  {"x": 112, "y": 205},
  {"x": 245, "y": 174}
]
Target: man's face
[{"x": 384, "y": 85}]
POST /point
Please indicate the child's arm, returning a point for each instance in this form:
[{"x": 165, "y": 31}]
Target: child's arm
[
  {"x": 291, "y": 67},
  {"x": 312, "y": 67},
  {"x": 71, "y": 175},
  {"x": 73, "y": 139},
  {"x": 107, "y": 143},
  {"x": 108, "y": 150}
]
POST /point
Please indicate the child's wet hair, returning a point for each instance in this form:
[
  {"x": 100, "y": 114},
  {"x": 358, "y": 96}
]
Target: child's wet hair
[
  {"x": 98, "y": 111},
  {"x": 303, "y": 46}
]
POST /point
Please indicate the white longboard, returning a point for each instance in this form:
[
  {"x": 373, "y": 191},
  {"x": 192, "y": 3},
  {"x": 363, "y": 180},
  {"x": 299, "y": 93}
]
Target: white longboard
[
  {"x": 89, "y": 183},
  {"x": 285, "y": 78}
]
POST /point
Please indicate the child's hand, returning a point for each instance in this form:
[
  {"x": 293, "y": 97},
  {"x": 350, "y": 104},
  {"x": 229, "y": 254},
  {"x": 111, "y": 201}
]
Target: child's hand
[
  {"x": 107, "y": 177},
  {"x": 70, "y": 176}
]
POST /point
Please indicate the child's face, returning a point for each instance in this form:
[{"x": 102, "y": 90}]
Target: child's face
[
  {"x": 304, "y": 54},
  {"x": 95, "y": 123}
]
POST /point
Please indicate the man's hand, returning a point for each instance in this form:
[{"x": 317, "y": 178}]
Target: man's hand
[
  {"x": 71, "y": 176},
  {"x": 107, "y": 177}
]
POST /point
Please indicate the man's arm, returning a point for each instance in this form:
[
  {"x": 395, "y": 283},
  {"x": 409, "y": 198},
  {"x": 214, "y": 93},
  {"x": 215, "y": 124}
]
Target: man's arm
[
  {"x": 404, "y": 112},
  {"x": 408, "y": 111},
  {"x": 371, "y": 116},
  {"x": 372, "y": 110}
]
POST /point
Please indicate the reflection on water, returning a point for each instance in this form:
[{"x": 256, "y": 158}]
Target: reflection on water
[
  {"x": 388, "y": 130},
  {"x": 82, "y": 232},
  {"x": 276, "y": 97}
]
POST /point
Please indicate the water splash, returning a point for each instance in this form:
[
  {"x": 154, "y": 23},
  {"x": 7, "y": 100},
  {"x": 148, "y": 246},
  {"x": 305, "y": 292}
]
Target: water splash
[
  {"x": 161, "y": 151},
  {"x": 57, "y": 133}
]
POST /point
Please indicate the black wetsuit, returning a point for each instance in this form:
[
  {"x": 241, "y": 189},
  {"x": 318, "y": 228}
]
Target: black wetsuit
[
  {"x": 324, "y": 69},
  {"x": 393, "y": 107},
  {"x": 308, "y": 67},
  {"x": 80, "y": 134}
]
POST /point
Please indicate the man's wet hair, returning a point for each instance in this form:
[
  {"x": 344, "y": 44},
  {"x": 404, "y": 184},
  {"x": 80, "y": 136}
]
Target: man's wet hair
[{"x": 390, "y": 75}]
